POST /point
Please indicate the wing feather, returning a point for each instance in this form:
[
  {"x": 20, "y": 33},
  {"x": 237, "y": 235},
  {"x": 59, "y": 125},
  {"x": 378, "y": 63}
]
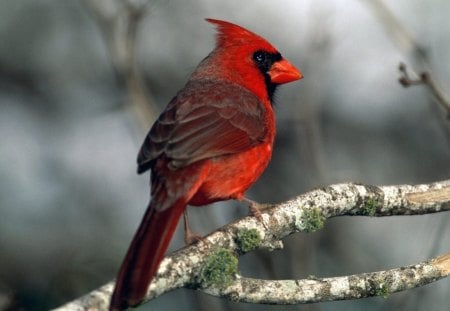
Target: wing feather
[{"x": 206, "y": 119}]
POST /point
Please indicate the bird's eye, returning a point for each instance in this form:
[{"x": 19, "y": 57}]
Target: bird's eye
[{"x": 259, "y": 57}]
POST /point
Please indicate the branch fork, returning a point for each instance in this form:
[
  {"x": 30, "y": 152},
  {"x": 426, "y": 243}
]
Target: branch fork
[{"x": 306, "y": 213}]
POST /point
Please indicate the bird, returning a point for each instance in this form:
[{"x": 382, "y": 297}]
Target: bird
[{"x": 213, "y": 140}]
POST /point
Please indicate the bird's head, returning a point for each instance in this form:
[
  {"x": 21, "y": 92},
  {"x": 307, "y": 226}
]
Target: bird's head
[{"x": 249, "y": 60}]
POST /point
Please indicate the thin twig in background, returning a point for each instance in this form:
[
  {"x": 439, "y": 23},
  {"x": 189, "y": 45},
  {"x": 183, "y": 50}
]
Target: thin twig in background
[
  {"x": 424, "y": 78},
  {"x": 306, "y": 213},
  {"x": 399, "y": 34},
  {"x": 413, "y": 49},
  {"x": 119, "y": 22}
]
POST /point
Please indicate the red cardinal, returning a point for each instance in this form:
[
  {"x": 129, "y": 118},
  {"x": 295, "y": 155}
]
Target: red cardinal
[{"x": 211, "y": 143}]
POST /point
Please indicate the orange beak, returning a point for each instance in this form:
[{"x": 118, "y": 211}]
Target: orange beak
[{"x": 283, "y": 72}]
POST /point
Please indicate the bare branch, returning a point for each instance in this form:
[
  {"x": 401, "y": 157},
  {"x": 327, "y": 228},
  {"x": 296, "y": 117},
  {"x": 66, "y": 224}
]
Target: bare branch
[
  {"x": 409, "y": 45},
  {"x": 425, "y": 78},
  {"x": 381, "y": 283},
  {"x": 398, "y": 32},
  {"x": 305, "y": 213},
  {"x": 119, "y": 22}
]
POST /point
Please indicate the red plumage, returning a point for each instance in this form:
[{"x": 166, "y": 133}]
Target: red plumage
[{"x": 211, "y": 143}]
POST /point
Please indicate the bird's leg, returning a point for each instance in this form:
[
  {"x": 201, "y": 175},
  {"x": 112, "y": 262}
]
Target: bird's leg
[
  {"x": 189, "y": 236},
  {"x": 255, "y": 208}
]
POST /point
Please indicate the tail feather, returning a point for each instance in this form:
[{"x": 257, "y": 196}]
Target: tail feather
[{"x": 145, "y": 254}]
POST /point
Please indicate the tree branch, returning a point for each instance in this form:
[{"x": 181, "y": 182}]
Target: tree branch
[
  {"x": 409, "y": 45},
  {"x": 398, "y": 32},
  {"x": 188, "y": 267},
  {"x": 381, "y": 283},
  {"x": 119, "y": 23},
  {"x": 424, "y": 78}
]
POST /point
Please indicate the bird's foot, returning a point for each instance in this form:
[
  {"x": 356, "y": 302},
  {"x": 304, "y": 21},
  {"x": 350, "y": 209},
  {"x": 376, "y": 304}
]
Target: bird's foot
[
  {"x": 190, "y": 237},
  {"x": 255, "y": 208}
]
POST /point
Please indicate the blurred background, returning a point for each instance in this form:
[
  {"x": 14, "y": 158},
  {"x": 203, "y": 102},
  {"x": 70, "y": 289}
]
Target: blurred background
[{"x": 81, "y": 81}]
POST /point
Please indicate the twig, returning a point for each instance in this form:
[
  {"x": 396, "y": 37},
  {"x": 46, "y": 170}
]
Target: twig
[
  {"x": 398, "y": 32},
  {"x": 305, "y": 213},
  {"x": 119, "y": 22},
  {"x": 425, "y": 79},
  {"x": 409, "y": 45}
]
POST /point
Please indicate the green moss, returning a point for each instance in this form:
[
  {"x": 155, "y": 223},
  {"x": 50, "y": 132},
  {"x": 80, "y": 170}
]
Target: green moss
[
  {"x": 382, "y": 290},
  {"x": 248, "y": 239},
  {"x": 220, "y": 268},
  {"x": 313, "y": 219},
  {"x": 370, "y": 206}
]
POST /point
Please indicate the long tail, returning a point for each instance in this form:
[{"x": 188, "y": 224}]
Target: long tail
[{"x": 145, "y": 253}]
